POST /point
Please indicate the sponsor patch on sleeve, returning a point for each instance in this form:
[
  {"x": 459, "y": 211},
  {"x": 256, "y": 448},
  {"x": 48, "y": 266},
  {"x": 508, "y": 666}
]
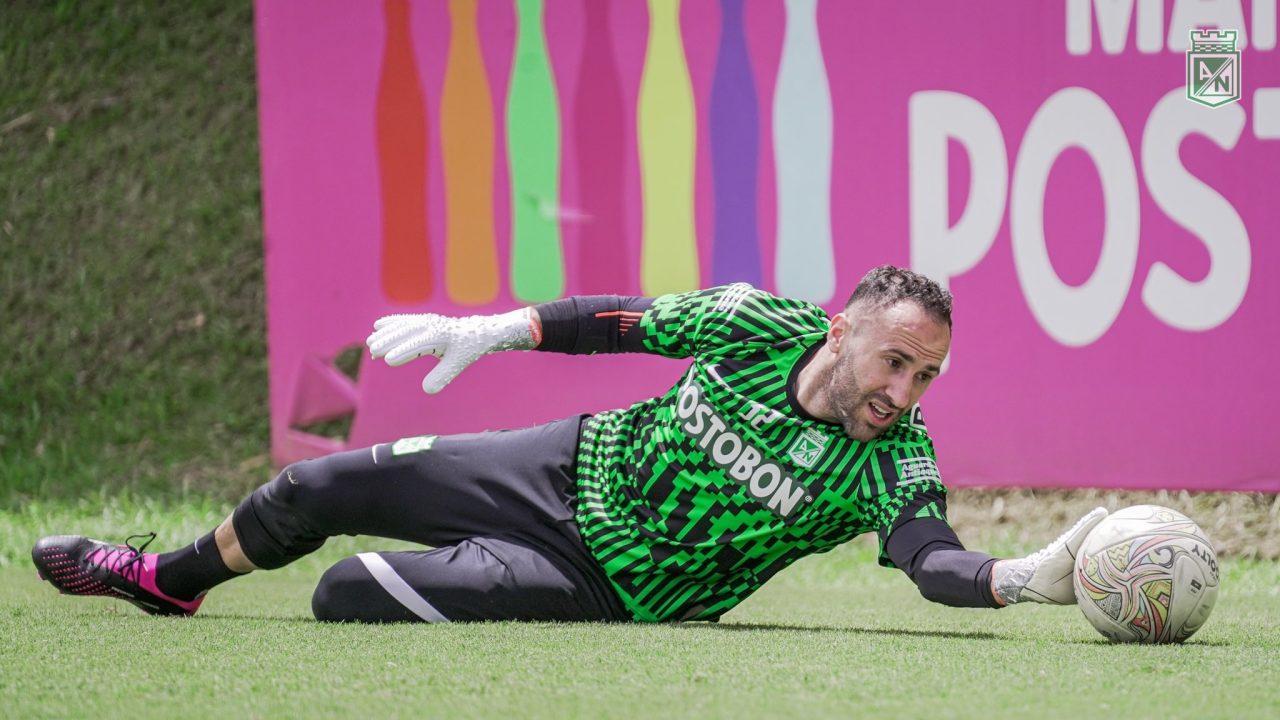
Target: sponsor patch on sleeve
[{"x": 918, "y": 470}]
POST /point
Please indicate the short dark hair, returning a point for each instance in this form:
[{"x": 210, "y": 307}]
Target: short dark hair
[{"x": 888, "y": 285}]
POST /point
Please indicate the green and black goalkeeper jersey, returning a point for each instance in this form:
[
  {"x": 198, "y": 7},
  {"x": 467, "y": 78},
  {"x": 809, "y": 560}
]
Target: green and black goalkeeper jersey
[{"x": 692, "y": 500}]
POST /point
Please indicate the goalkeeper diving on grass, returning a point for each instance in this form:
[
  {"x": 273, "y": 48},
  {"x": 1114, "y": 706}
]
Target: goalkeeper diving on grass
[{"x": 789, "y": 433}]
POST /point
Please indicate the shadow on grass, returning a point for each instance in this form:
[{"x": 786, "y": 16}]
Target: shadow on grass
[
  {"x": 1100, "y": 642},
  {"x": 245, "y": 617},
  {"x": 891, "y": 632},
  {"x": 710, "y": 627},
  {"x": 704, "y": 626},
  {"x": 689, "y": 626}
]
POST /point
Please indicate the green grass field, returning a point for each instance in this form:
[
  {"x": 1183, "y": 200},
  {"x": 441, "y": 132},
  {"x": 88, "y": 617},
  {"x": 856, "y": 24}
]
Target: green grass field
[{"x": 834, "y": 636}]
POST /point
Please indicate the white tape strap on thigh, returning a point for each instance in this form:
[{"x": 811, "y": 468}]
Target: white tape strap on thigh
[{"x": 397, "y": 588}]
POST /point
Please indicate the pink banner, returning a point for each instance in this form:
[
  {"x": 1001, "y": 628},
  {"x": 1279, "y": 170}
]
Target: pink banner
[{"x": 1109, "y": 240}]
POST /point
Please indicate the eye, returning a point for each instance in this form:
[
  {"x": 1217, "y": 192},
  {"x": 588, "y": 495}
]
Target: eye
[
  {"x": 924, "y": 377},
  {"x": 893, "y": 362}
]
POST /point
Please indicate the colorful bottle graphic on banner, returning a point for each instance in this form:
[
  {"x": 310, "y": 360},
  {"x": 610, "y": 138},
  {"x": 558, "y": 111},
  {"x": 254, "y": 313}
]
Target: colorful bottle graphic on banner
[
  {"x": 533, "y": 142},
  {"x": 734, "y": 144},
  {"x": 604, "y": 260},
  {"x": 471, "y": 258},
  {"x": 802, "y": 149},
  {"x": 667, "y": 145},
  {"x": 669, "y": 257},
  {"x": 402, "y": 164}
]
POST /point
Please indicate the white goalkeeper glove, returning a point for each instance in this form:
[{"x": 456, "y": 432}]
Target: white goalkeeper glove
[
  {"x": 1044, "y": 576},
  {"x": 458, "y": 342}
]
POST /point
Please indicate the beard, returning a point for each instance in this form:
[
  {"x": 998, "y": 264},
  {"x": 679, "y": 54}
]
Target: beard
[{"x": 848, "y": 400}]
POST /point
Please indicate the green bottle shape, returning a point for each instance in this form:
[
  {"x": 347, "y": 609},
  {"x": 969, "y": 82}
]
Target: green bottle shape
[{"x": 533, "y": 146}]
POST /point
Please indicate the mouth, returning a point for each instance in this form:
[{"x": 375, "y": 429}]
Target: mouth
[{"x": 881, "y": 415}]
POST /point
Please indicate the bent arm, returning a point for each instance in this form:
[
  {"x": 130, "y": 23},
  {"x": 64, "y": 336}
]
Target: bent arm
[
  {"x": 589, "y": 324},
  {"x": 929, "y": 552}
]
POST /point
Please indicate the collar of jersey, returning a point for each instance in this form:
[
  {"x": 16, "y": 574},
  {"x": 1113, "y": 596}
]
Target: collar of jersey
[{"x": 794, "y": 376}]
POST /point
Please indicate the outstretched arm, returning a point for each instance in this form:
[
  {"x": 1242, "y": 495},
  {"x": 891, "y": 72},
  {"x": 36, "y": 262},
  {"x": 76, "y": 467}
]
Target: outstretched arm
[
  {"x": 677, "y": 325},
  {"x": 928, "y": 550},
  {"x": 458, "y": 342},
  {"x": 587, "y": 324},
  {"x": 1045, "y": 576}
]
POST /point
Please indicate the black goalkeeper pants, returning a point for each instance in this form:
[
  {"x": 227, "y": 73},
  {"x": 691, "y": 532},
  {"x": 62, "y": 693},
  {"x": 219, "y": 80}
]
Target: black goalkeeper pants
[{"x": 497, "y": 507}]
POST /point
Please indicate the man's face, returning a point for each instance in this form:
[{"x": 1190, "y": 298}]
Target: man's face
[{"x": 886, "y": 359}]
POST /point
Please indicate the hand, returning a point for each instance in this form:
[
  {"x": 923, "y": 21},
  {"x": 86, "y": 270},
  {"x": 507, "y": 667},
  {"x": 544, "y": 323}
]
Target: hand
[
  {"x": 1045, "y": 576},
  {"x": 458, "y": 342}
]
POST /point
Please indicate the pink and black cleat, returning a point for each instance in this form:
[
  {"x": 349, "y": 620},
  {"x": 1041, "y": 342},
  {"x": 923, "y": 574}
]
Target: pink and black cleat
[{"x": 80, "y": 566}]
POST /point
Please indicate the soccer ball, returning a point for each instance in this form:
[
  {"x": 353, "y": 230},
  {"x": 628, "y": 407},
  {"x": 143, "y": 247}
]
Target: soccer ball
[{"x": 1146, "y": 574}]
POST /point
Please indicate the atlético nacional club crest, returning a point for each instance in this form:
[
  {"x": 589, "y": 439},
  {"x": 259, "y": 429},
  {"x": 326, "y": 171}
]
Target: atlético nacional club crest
[
  {"x": 808, "y": 447},
  {"x": 1213, "y": 68}
]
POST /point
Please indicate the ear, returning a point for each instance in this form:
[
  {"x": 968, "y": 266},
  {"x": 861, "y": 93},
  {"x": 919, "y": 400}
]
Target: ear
[{"x": 838, "y": 333}]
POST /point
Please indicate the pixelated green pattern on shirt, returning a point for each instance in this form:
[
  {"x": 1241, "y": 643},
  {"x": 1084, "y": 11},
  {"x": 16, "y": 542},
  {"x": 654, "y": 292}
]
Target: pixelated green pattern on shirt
[{"x": 688, "y": 521}]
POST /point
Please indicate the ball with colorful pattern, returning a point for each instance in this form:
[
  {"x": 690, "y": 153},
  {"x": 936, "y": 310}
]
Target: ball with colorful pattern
[{"x": 1146, "y": 574}]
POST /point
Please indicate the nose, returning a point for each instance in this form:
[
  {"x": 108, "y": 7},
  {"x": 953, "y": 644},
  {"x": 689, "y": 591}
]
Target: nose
[{"x": 899, "y": 392}]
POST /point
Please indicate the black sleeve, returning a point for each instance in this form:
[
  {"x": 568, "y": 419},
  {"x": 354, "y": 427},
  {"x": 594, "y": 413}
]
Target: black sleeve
[
  {"x": 589, "y": 324},
  {"x": 929, "y": 552}
]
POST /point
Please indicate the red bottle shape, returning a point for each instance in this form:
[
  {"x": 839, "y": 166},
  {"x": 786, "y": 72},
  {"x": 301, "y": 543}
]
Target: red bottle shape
[{"x": 402, "y": 164}]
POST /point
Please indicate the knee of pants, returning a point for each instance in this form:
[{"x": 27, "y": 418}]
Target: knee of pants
[
  {"x": 348, "y": 592},
  {"x": 303, "y": 489},
  {"x": 289, "y": 516},
  {"x": 337, "y": 597}
]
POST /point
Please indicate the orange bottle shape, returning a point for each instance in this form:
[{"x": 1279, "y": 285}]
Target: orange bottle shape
[
  {"x": 467, "y": 146},
  {"x": 402, "y": 164}
]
